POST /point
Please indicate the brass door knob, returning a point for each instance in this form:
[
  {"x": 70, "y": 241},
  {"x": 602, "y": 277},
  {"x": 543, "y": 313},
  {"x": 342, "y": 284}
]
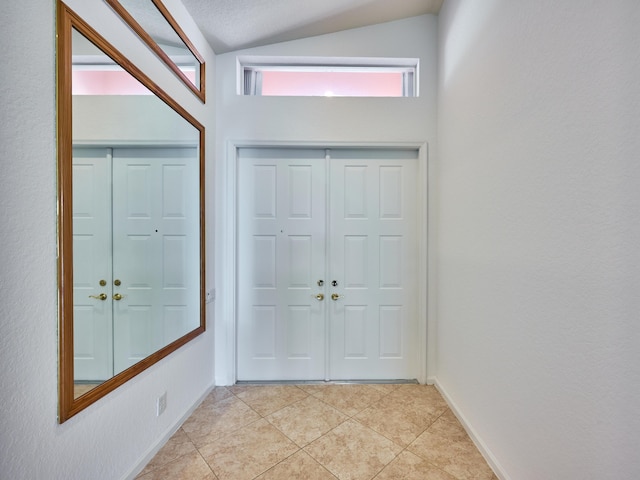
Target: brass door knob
[
  {"x": 320, "y": 297},
  {"x": 117, "y": 296},
  {"x": 335, "y": 296},
  {"x": 102, "y": 296}
]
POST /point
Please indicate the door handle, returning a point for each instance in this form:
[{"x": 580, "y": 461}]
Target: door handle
[
  {"x": 320, "y": 297},
  {"x": 102, "y": 296},
  {"x": 117, "y": 296},
  {"x": 335, "y": 296}
]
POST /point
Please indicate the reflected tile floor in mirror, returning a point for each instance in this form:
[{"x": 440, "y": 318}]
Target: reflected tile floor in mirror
[
  {"x": 80, "y": 389},
  {"x": 320, "y": 432}
]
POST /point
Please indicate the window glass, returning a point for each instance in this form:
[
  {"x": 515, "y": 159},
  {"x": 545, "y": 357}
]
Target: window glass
[{"x": 332, "y": 84}]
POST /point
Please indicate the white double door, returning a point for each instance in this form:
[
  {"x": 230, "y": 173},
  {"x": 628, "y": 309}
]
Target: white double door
[
  {"x": 327, "y": 264},
  {"x": 135, "y": 254}
]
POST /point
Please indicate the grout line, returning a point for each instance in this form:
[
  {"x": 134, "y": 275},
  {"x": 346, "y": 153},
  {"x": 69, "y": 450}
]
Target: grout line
[
  {"x": 206, "y": 463},
  {"x": 383, "y": 393}
]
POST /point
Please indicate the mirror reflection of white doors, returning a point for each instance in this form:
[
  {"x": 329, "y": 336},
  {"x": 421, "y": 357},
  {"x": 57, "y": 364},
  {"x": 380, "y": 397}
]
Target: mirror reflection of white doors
[
  {"x": 327, "y": 264},
  {"x": 136, "y": 254}
]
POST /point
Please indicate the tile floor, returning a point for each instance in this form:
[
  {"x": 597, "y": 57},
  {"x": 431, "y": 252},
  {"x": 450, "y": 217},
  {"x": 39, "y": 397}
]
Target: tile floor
[
  {"x": 80, "y": 389},
  {"x": 320, "y": 432}
]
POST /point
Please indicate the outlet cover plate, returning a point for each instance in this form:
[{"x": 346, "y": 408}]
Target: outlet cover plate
[{"x": 161, "y": 404}]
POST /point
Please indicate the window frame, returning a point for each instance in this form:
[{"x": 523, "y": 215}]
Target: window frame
[{"x": 250, "y": 68}]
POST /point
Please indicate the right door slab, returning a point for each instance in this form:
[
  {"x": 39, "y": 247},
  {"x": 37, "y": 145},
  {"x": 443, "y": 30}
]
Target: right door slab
[{"x": 373, "y": 262}]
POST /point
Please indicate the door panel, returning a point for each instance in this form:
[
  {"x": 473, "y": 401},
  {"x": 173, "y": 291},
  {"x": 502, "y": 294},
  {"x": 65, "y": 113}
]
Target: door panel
[
  {"x": 92, "y": 241},
  {"x": 158, "y": 297},
  {"x": 122, "y": 226},
  {"x": 366, "y": 244},
  {"x": 281, "y": 223},
  {"x": 372, "y": 243}
]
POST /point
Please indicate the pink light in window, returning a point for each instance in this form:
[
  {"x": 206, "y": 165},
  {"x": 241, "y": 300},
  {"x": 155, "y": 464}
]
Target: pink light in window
[
  {"x": 348, "y": 84},
  {"x": 106, "y": 82},
  {"x": 191, "y": 75}
]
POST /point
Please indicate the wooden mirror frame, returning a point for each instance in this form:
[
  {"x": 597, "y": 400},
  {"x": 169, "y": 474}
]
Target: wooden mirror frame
[
  {"x": 144, "y": 35},
  {"x": 67, "y": 20}
]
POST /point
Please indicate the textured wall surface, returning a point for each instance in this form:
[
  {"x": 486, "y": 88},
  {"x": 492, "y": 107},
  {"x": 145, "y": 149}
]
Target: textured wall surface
[
  {"x": 109, "y": 439},
  {"x": 538, "y": 232},
  {"x": 337, "y": 119}
]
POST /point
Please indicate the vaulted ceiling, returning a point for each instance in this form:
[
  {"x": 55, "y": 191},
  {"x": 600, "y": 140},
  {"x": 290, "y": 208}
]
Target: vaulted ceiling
[{"x": 235, "y": 24}]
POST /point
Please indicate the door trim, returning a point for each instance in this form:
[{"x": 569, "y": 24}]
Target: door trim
[{"x": 226, "y": 254}]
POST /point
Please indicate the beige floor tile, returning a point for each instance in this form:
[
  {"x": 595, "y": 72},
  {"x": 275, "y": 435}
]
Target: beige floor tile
[
  {"x": 385, "y": 387},
  {"x": 306, "y": 420},
  {"x": 312, "y": 388},
  {"x": 446, "y": 445},
  {"x": 80, "y": 389},
  {"x": 248, "y": 452},
  {"x": 217, "y": 394},
  {"x": 268, "y": 398},
  {"x": 399, "y": 419},
  {"x": 381, "y": 387},
  {"x": 298, "y": 466},
  {"x": 349, "y": 399},
  {"x": 213, "y": 420},
  {"x": 187, "y": 467},
  {"x": 424, "y": 394},
  {"x": 346, "y": 431},
  {"x": 177, "y": 446},
  {"x": 352, "y": 451},
  {"x": 408, "y": 466},
  {"x": 450, "y": 417}
]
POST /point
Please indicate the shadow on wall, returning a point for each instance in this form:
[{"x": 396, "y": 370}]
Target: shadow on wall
[{"x": 464, "y": 31}]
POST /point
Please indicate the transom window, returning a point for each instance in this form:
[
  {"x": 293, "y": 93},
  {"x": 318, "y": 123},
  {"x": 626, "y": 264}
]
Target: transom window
[{"x": 328, "y": 77}]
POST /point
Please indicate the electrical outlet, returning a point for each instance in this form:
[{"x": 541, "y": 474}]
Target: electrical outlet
[
  {"x": 211, "y": 295},
  {"x": 161, "y": 404}
]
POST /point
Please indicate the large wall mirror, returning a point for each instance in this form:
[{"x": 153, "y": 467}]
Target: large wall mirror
[
  {"x": 151, "y": 20},
  {"x": 131, "y": 218}
]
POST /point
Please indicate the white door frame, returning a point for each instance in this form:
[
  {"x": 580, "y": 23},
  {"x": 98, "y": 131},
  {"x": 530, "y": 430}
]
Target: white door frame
[{"x": 226, "y": 281}]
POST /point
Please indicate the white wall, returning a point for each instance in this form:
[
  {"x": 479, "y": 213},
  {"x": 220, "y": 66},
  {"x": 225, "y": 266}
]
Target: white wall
[
  {"x": 129, "y": 119},
  {"x": 539, "y": 232},
  {"x": 337, "y": 119},
  {"x": 109, "y": 439},
  {"x": 319, "y": 120}
]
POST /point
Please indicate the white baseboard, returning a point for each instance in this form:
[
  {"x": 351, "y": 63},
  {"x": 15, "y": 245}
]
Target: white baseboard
[
  {"x": 223, "y": 381},
  {"x": 155, "y": 448},
  {"x": 475, "y": 438}
]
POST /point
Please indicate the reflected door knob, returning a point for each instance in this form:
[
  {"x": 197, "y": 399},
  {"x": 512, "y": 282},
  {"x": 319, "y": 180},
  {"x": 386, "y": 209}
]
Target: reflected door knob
[
  {"x": 117, "y": 296},
  {"x": 102, "y": 296}
]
